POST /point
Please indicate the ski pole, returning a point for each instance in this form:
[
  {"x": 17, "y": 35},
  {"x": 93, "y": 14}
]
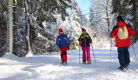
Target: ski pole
[
  {"x": 134, "y": 52},
  {"x": 79, "y": 54},
  {"x": 110, "y": 52},
  {"x": 93, "y": 54}
]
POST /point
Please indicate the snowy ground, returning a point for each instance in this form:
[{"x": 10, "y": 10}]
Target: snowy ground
[{"x": 47, "y": 67}]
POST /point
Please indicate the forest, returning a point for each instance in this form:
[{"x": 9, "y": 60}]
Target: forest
[{"x": 30, "y": 27}]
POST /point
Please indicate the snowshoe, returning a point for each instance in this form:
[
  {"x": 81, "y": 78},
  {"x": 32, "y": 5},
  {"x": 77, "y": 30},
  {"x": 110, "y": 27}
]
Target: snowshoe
[
  {"x": 84, "y": 63},
  {"x": 62, "y": 62},
  {"x": 65, "y": 63},
  {"x": 122, "y": 68},
  {"x": 89, "y": 62},
  {"x": 127, "y": 65}
]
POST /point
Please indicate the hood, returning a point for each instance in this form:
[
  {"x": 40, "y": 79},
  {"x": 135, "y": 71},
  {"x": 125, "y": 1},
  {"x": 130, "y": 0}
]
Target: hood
[{"x": 121, "y": 24}]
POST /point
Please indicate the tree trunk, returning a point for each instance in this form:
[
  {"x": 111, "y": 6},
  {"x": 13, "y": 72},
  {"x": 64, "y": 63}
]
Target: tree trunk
[
  {"x": 30, "y": 52},
  {"x": 14, "y": 28},
  {"x": 30, "y": 37},
  {"x": 108, "y": 22},
  {"x": 10, "y": 27},
  {"x": 135, "y": 20},
  {"x": 7, "y": 42},
  {"x": 107, "y": 15}
]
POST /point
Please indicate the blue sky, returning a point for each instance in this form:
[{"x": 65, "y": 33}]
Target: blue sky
[{"x": 85, "y": 5}]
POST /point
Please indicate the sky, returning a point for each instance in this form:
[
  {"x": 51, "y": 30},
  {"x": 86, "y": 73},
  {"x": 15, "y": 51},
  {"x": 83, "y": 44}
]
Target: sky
[{"x": 84, "y": 5}]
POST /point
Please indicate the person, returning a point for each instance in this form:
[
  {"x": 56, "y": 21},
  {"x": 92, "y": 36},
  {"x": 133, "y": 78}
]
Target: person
[
  {"x": 84, "y": 41},
  {"x": 63, "y": 43},
  {"x": 122, "y": 33}
]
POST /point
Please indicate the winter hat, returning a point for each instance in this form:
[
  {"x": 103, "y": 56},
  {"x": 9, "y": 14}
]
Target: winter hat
[
  {"x": 83, "y": 29},
  {"x": 60, "y": 30},
  {"x": 119, "y": 18}
]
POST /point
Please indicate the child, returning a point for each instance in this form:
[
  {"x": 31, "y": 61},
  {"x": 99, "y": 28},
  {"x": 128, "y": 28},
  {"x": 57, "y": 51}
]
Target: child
[
  {"x": 63, "y": 43},
  {"x": 84, "y": 41},
  {"x": 122, "y": 33}
]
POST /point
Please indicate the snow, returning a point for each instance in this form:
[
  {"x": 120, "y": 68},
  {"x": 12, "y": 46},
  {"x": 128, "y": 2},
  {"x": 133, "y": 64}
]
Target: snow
[{"x": 47, "y": 67}]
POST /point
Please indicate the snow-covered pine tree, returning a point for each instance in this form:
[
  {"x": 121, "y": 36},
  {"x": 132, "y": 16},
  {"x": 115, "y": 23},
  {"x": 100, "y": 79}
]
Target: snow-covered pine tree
[
  {"x": 71, "y": 26},
  {"x": 135, "y": 18},
  {"x": 77, "y": 20},
  {"x": 38, "y": 11},
  {"x": 100, "y": 22},
  {"x": 3, "y": 27}
]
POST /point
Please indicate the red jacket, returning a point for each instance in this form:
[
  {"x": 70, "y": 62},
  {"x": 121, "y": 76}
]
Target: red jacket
[{"x": 124, "y": 42}]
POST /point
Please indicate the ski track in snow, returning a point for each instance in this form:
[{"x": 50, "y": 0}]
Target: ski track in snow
[{"x": 48, "y": 67}]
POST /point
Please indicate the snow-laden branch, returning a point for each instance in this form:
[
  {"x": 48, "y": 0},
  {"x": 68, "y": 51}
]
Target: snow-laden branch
[
  {"x": 68, "y": 3},
  {"x": 106, "y": 18},
  {"x": 98, "y": 12}
]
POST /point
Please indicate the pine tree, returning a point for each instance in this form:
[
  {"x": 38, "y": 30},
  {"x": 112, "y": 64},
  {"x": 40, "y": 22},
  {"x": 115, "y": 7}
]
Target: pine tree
[
  {"x": 135, "y": 18},
  {"x": 3, "y": 27},
  {"x": 35, "y": 12},
  {"x": 45, "y": 9},
  {"x": 100, "y": 22}
]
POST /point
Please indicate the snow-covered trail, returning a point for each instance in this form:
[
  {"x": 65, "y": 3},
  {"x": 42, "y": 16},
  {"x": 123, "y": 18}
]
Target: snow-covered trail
[{"x": 47, "y": 67}]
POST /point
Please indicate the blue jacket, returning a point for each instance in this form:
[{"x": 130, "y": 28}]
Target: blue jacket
[{"x": 62, "y": 41}]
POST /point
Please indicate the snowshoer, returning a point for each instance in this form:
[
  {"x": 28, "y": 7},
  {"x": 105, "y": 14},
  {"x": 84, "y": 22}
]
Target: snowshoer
[
  {"x": 122, "y": 33},
  {"x": 63, "y": 43},
  {"x": 84, "y": 41}
]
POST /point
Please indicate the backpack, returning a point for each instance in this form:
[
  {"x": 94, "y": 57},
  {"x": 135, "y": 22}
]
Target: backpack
[
  {"x": 64, "y": 38},
  {"x": 122, "y": 33},
  {"x": 59, "y": 35}
]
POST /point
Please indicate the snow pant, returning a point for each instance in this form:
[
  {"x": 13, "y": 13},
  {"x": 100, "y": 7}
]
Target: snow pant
[
  {"x": 123, "y": 56},
  {"x": 86, "y": 49},
  {"x": 64, "y": 54}
]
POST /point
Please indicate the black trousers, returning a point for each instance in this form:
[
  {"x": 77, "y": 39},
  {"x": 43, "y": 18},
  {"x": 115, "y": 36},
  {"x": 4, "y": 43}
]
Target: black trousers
[{"x": 123, "y": 56}]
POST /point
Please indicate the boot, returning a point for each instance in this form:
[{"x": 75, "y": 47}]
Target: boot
[
  {"x": 89, "y": 62},
  {"x": 122, "y": 67},
  {"x": 65, "y": 63},
  {"x": 127, "y": 65},
  {"x": 84, "y": 63},
  {"x": 62, "y": 62}
]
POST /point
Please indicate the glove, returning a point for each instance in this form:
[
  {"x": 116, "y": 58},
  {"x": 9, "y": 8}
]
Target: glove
[
  {"x": 68, "y": 47},
  {"x": 80, "y": 43},
  {"x": 59, "y": 48}
]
